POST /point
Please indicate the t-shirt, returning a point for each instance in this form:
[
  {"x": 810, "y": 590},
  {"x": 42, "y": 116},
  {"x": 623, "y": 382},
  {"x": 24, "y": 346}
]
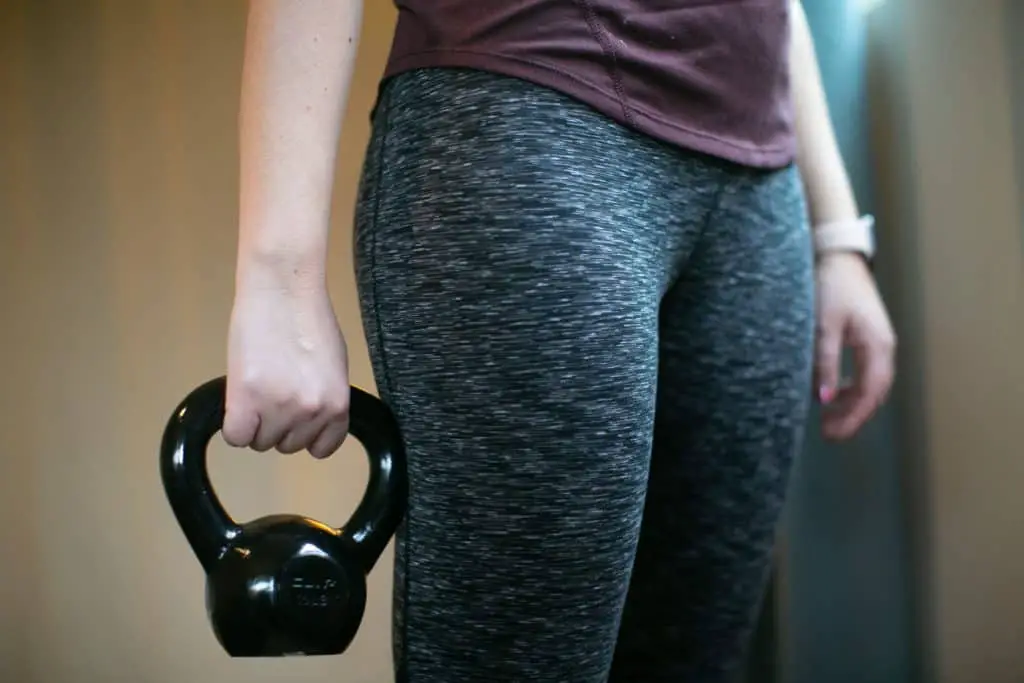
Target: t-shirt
[{"x": 705, "y": 75}]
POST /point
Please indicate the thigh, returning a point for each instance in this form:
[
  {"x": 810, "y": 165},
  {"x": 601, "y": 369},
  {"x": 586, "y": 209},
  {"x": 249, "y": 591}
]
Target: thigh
[
  {"x": 733, "y": 393},
  {"x": 510, "y": 290}
]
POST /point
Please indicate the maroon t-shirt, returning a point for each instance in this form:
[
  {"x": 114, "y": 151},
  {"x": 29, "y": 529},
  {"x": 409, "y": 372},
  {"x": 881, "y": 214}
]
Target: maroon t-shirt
[{"x": 707, "y": 75}]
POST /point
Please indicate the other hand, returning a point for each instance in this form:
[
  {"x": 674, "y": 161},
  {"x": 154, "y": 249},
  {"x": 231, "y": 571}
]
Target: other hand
[{"x": 851, "y": 314}]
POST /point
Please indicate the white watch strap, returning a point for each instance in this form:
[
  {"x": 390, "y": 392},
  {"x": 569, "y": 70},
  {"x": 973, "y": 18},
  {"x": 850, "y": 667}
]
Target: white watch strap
[{"x": 856, "y": 236}]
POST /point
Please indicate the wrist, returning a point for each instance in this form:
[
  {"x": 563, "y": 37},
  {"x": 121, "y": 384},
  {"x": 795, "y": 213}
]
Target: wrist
[
  {"x": 843, "y": 259},
  {"x": 288, "y": 269}
]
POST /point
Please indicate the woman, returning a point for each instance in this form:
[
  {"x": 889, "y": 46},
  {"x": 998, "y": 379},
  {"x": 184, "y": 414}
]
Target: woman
[{"x": 587, "y": 278}]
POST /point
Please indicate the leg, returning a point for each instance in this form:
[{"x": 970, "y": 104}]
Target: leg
[
  {"x": 512, "y": 250},
  {"x": 734, "y": 382}
]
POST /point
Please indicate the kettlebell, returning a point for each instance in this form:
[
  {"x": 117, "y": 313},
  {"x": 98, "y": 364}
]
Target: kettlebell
[{"x": 282, "y": 584}]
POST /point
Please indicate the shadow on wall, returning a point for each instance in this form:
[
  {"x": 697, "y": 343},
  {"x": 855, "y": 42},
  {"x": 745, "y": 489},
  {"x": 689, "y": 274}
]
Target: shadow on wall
[
  {"x": 900, "y": 276},
  {"x": 845, "y": 559}
]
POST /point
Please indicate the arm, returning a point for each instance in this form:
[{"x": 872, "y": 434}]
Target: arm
[
  {"x": 299, "y": 57},
  {"x": 829, "y": 193},
  {"x": 287, "y": 362},
  {"x": 850, "y": 310}
]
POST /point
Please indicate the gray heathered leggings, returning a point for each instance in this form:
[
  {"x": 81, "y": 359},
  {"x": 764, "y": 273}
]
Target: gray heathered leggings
[{"x": 599, "y": 349}]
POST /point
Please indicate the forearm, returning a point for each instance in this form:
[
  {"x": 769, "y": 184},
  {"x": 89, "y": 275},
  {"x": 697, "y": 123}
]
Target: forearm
[
  {"x": 829, "y": 193},
  {"x": 298, "y": 63}
]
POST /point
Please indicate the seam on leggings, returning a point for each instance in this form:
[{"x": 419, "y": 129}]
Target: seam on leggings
[
  {"x": 716, "y": 204},
  {"x": 608, "y": 47},
  {"x": 402, "y": 670}
]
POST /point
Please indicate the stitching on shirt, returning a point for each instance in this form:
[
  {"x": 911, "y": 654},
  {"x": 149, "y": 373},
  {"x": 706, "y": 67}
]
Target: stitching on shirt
[{"x": 610, "y": 52}]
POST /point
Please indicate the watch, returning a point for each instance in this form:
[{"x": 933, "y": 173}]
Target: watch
[{"x": 857, "y": 236}]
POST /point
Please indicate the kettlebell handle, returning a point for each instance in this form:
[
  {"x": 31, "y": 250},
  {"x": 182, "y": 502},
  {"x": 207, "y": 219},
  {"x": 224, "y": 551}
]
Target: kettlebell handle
[{"x": 209, "y": 529}]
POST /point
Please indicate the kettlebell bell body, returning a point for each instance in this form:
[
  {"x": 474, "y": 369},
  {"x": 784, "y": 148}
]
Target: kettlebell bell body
[{"x": 282, "y": 584}]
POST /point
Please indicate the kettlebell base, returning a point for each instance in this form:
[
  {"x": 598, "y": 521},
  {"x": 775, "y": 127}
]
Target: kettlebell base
[
  {"x": 301, "y": 655},
  {"x": 274, "y": 650}
]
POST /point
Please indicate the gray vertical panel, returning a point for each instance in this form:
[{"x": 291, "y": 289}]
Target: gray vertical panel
[
  {"x": 846, "y": 604},
  {"x": 1015, "y": 44}
]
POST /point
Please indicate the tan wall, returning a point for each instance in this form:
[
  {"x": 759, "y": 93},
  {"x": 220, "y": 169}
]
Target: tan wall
[
  {"x": 117, "y": 219},
  {"x": 949, "y": 185},
  {"x": 973, "y": 279}
]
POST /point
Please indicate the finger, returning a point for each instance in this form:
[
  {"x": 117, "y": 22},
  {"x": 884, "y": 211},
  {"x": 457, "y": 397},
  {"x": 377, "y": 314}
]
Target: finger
[
  {"x": 301, "y": 436},
  {"x": 240, "y": 426},
  {"x": 271, "y": 430},
  {"x": 835, "y": 415},
  {"x": 827, "y": 360},
  {"x": 874, "y": 379},
  {"x": 845, "y": 422},
  {"x": 870, "y": 398},
  {"x": 330, "y": 439}
]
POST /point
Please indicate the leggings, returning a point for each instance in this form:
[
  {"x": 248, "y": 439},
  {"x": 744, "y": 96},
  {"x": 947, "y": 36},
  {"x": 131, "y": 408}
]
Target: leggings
[{"x": 598, "y": 348}]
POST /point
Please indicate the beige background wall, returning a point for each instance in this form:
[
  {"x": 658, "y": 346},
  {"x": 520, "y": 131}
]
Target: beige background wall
[
  {"x": 117, "y": 220},
  {"x": 948, "y": 185},
  {"x": 117, "y": 209}
]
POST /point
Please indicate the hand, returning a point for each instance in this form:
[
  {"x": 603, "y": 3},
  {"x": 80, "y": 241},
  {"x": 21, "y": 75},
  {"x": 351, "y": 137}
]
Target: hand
[
  {"x": 287, "y": 376},
  {"x": 851, "y": 314}
]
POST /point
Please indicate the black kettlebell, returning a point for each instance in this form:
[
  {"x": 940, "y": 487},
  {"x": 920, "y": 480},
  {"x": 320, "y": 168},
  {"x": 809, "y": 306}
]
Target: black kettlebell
[{"x": 282, "y": 584}]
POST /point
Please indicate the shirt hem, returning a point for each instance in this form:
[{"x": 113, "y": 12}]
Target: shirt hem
[{"x": 547, "y": 75}]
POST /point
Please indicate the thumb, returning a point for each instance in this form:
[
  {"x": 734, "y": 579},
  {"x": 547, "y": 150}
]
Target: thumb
[{"x": 827, "y": 359}]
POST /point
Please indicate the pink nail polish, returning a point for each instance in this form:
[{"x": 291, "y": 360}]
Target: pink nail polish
[{"x": 826, "y": 394}]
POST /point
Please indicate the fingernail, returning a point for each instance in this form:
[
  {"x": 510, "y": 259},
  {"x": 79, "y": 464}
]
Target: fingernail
[{"x": 826, "y": 394}]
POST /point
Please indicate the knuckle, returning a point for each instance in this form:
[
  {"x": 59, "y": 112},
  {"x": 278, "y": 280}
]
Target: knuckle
[
  {"x": 338, "y": 407},
  {"x": 886, "y": 342},
  {"x": 308, "y": 404},
  {"x": 251, "y": 382},
  {"x": 335, "y": 401}
]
